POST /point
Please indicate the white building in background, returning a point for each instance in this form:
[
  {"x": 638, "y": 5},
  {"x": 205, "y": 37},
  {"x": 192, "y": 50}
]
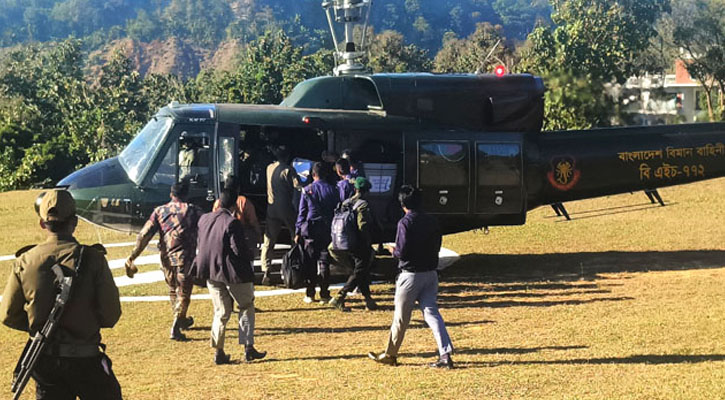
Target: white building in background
[{"x": 657, "y": 100}]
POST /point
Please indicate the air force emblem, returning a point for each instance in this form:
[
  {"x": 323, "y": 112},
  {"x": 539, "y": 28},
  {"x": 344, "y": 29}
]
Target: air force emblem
[{"x": 564, "y": 174}]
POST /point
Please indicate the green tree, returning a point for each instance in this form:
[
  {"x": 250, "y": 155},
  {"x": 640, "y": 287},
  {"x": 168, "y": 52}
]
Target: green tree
[
  {"x": 389, "y": 53},
  {"x": 481, "y": 51},
  {"x": 143, "y": 27},
  {"x": 520, "y": 17},
  {"x": 593, "y": 42},
  {"x": 600, "y": 38},
  {"x": 699, "y": 30},
  {"x": 269, "y": 69}
]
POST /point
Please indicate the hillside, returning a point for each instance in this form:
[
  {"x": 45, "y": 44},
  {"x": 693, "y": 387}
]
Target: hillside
[{"x": 184, "y": 36}]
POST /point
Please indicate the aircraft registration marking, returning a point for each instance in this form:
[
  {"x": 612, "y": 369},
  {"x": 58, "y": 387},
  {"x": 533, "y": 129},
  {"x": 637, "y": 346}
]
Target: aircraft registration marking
[{"x": 670, "y": 171}]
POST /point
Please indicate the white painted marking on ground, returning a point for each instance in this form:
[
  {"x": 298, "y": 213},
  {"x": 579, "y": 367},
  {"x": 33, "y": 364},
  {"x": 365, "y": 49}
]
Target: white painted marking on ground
[
  {"x": 143, "y": 260},
  {"x": 447, "y": 258},
  {"x": 108, "y": 246},
  {"x": 126, "y": 244},
  {"x": 141, "y": 278},
  {"x": 206, "y": 296}
]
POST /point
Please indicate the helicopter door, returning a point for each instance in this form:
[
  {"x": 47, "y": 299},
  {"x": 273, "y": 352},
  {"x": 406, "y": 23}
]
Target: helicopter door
[
  {"x": 499, "y": 185},
  {"x": 443, "y": 175}
]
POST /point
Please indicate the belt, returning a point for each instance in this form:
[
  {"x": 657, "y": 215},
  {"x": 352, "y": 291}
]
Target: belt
[{"x": 73, "y": 350}]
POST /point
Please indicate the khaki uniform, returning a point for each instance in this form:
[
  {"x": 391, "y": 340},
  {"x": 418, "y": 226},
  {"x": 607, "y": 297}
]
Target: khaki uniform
[
  {"x": 30, "y": 292},
  {"x": 71, "y": 364},
  {"x": 282, "y": 181}
]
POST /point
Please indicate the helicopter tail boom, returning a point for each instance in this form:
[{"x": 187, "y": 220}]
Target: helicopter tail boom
[{"x": 584, "y": 164}]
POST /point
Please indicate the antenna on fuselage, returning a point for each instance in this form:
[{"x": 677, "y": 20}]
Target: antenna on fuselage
[{"x": 349, "y": 13}]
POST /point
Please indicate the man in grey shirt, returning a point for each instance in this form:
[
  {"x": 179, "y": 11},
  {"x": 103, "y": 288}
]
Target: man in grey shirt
[{"x": 282, "y": 181}]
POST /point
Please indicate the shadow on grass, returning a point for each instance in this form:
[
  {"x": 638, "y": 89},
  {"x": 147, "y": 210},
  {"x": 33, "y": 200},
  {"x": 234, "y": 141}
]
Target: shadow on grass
[
  {"x": 611, "y": 211},
  {"x": 415, "y": 324},
  {"x": 572, "y": 266},
  {"x": 513, "y": 303},
  {"x": 652, "y": 359},
  {"x": 435, "y": 354},
  {"x": 498, "y": 350}
]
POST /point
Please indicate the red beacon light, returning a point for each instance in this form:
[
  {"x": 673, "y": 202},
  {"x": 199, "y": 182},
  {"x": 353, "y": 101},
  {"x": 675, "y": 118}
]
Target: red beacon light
[{"x": 500, "y": 70}]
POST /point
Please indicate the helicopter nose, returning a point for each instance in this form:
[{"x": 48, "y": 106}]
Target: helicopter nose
[
  {"x": 92, "y": 183},
  {"x": 104, "y": 173}
]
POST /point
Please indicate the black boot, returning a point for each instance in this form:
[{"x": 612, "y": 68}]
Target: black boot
[
  {"x": 220, "y": 357},
  {"x": 176, "y": 330},
  {"x": 251, "y": 354},
  {"x": 187, "y": 322},
  {"x": 370, "y": 304},
  {"x": 339, "y": 302},
  {"x": 266, "y": 279}
]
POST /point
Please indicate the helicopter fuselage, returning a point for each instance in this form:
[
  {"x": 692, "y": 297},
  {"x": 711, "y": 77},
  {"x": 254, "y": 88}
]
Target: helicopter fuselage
[{"x": 472, "y": 143}]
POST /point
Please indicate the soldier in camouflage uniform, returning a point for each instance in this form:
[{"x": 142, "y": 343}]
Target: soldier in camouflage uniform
[
  {"x": 72, "y": 364},
  {"x": 176, "y": 223}
]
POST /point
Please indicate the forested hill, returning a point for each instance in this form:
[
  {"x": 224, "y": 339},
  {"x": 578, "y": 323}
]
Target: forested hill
[{"x": 183, "y": 36}]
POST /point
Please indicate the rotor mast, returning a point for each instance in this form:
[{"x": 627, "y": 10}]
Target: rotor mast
[{"x": 349, "y": 13}]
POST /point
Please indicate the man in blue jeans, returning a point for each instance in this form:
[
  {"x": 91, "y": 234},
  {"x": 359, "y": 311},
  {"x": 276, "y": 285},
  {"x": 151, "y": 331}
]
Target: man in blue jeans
[{"x": 417, "y": 244}]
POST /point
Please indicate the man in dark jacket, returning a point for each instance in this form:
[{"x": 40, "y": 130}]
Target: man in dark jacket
[
  {"x": 72, "y": 364},
  {"x": 226, "y": 263},
  {"x": 317, "y": 207},
  {"x": 417, "y": 244}
]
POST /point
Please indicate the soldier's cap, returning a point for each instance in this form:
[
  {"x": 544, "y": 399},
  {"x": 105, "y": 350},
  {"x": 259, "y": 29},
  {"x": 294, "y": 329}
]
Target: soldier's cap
[
  {"x": 362, "y": 183},
  {"x": 57, "y": 205}
]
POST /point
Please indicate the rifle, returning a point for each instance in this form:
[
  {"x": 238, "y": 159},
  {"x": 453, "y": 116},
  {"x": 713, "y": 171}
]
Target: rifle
[{"x": 35, "y": 346}]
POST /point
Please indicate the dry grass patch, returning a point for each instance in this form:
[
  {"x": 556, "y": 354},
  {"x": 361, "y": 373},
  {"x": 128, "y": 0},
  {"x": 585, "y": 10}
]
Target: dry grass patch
[{"x": 623, "y": 302}]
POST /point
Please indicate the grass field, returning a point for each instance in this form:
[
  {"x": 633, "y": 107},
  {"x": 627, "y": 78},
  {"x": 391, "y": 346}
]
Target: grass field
[{"x": 626, "y": 301}]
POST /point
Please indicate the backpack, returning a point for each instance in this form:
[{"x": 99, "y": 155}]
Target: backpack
[
  {"x": 344, "y": 226},
  {"x": 292, "y": 270}
]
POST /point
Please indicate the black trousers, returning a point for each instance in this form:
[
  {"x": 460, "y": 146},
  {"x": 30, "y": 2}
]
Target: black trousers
[
  {"x": 65, "y": 378},
  {"x": 317, "y": 262},
  {"x": 360, "y": 273}
]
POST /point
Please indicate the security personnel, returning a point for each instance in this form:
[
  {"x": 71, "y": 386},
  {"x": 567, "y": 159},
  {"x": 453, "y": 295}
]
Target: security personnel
[
  {"x": 282, "y": 182},
  {"x": 176, "y": 222},
  {"x": 314, "y": 221},
  {"x": 72, "y": 363}
]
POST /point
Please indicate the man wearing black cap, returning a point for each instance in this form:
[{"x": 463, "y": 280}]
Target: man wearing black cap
[
  {"x": 72, "y": 363},
  {"x": 176, "y": 222}
]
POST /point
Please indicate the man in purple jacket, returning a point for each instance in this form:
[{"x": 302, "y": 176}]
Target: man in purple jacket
[
  {"x": 417, "y": 244},
  {"x": 226, "y": 263}
]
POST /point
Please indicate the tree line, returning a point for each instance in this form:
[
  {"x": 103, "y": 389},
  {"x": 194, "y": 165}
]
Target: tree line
[{"x": 55, "y": 116}]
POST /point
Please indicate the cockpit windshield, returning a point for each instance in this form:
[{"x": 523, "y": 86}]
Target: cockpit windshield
[{"x": 136, "y": 157}]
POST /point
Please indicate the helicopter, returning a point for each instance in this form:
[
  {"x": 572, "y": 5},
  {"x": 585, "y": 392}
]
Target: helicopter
[{"x": 473, "y": 143}]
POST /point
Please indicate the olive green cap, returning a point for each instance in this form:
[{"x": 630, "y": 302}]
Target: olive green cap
[
  {"x": 57, "y": 205},
  {"x": 362, "y": 183}
]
